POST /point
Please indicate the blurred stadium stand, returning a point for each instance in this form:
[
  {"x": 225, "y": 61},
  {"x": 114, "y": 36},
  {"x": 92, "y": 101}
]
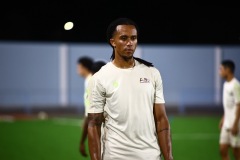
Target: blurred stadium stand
[{"x": 33, "y": 77}]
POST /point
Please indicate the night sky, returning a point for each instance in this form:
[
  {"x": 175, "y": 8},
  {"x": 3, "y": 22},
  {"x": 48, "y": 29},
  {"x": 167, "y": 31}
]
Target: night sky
[{"x": 158, "y": 23}]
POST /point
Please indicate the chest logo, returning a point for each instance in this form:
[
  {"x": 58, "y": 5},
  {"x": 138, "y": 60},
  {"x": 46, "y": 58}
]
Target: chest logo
[
  {"x": 144, "y": 80},
  {"x": 115, "y": 84}
]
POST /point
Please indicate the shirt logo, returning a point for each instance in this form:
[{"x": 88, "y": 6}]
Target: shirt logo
[
  {"x": 115, "y": 84},
  {"x": 144, "y": 80}
]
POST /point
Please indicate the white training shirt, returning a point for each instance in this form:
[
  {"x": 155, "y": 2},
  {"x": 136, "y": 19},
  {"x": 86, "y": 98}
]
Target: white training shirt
[
  {"x": 85, "y": 96},
  {"x": 127, "y": 96},
  {"x": 231, "y": 97}
]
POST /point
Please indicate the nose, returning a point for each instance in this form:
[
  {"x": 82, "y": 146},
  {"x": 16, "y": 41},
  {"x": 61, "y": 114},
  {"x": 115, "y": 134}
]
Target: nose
[{"x": 129, "y": 43}]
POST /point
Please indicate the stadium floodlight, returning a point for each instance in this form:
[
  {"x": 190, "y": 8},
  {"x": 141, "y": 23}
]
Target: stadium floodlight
[{"x": 68, "y": 25}]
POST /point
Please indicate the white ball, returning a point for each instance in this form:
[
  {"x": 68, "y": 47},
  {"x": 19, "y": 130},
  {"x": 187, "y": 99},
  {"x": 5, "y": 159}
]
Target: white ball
[{"x": 42, "y": 115}]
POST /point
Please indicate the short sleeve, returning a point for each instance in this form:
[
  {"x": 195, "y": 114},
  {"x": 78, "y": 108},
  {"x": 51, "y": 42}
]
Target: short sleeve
[
  {"x": 236, "y": 93},
  {"x": 96, "y": 96},
  {"x": 158, "y": 96},
  {"x": 86, "y": 100}
]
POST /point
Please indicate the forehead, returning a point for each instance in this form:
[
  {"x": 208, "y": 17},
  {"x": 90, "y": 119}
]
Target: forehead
[
  {"x": 80, "y": 65},
  {"x": 223, "y": 67},
  {"x": 126, "y": 30}
]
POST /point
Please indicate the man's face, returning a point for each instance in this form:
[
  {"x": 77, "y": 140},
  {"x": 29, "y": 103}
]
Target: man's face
[
  {"x": 223, "y": 72},
  {"x": 124, "y": 41},
  {"x": 81, "y": 70}
]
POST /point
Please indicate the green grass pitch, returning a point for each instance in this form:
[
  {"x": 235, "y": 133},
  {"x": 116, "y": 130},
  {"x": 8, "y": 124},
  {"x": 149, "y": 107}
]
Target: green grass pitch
[{"x": 193, "y": 138}]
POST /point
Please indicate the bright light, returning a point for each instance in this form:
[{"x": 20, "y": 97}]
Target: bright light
[{"x": 68, "y": 26}]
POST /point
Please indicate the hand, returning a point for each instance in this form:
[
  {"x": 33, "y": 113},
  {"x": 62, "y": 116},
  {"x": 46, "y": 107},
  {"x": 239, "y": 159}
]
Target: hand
[
  {"x": 234, "y": 130},
  {"x": 82, "y": 150}
]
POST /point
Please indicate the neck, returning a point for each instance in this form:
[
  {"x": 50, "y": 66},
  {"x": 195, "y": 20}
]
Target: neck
[
  {"x": 229, "y": 77},
  {"x": 87, "y": 74},
  {"x": 122, "y": 62}
]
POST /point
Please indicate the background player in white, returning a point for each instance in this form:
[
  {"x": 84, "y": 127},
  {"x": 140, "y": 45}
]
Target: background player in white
[
  {"x": 229, "y": 124},
  {"x": 127, "y": 95},
  {"x": 84, "y": 69}
]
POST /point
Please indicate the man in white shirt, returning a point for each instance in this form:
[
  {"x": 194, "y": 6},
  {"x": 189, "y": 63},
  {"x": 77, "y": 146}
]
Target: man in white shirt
[
  {"x": 84, "y": 69},
  {"x": 229, "y": 124},
  {"x": 126, "y": 96}
]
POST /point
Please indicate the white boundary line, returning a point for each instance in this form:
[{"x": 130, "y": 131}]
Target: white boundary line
[{"x": 67, "y": 121}]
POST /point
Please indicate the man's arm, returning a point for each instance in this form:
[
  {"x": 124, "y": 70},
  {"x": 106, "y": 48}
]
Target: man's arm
[
  {"x": 163, "y": 131},
  {"x": 221, "y": 122},
  {"x": 95, "y": 121},
  {"x": 235, "y": 124},
  {"x": 84, "y": 137},
  {"x": 236, "y": 93}
]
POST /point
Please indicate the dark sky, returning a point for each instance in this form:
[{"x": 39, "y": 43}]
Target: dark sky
[{"x": 158, "y": 23}]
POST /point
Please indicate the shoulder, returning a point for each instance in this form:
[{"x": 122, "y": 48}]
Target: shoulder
[
  {"x": 150, "y": 67},
  {"x": 104, "y": 70},
  {"x": 95, "y": 82},
  {"x": 102, "y": 73},
  {"x": 106, "y": 67},
  {"x": 154, "y": 71},
  {"x": 236, "y": 83}
]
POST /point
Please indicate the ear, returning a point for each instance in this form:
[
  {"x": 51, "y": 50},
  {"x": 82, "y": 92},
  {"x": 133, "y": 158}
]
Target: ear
[
  {"x": 228, "y": 70},
  {"x": 112, "y": 42}
]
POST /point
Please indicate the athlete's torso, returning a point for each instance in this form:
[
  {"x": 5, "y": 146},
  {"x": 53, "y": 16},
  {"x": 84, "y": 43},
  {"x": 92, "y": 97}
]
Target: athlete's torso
[{"x": 129, "y": 131}]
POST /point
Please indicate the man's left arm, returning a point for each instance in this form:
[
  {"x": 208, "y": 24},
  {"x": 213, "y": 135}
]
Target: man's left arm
[
  {"x": 84, "y": 137},
  {"x": 163, "y": 130},
  {"x": 235, "y": 128},
  {"x": 236, "y": 93}
]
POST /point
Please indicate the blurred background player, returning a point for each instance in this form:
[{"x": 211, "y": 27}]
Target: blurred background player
[
  {"x": 229, "y": 124},
  {"x": 87, "y": 68},
  {"x": 84, "y": 69}
]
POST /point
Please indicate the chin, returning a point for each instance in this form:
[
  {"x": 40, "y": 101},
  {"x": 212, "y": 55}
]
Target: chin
[{"x": 128, "y": 57}]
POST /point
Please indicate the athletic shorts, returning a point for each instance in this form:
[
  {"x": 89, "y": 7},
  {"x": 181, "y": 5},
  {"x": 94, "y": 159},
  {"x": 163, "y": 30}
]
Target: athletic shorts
[{"x": 226, "y": 137}]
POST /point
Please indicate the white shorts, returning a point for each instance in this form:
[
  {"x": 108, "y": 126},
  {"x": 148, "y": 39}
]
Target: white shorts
[{"x": 226, "y": 137}]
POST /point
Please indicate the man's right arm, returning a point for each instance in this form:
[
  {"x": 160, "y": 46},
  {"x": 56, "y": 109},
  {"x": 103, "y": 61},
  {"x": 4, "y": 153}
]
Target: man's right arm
[
  {"x": 95, "y": 121},
  {"x": 221, "y": 122}
]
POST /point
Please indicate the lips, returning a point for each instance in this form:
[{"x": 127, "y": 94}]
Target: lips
[{"x": 129, "y": 50}]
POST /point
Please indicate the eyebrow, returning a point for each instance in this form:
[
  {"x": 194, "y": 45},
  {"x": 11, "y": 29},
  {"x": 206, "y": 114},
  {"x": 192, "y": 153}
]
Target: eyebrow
[{"x": 128, "y": 36}]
